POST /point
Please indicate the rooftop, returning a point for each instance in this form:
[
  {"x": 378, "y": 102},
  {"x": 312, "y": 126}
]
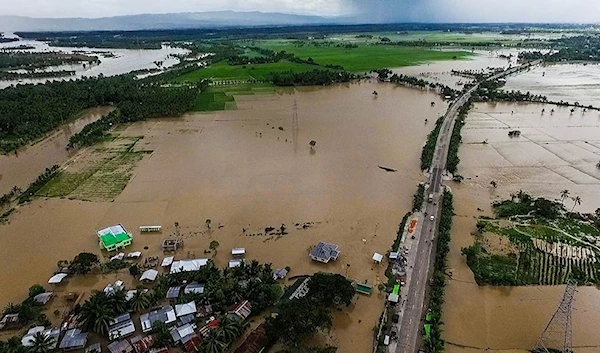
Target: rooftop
[
  {"x": 324, "y": 252},
  {"x": 114, "y": 235},
  {"x": 74, "y": 339},
  {"x": 188, "y": 265}
]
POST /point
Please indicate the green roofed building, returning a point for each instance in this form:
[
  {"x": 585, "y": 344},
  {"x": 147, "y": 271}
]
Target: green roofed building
[{"x": 114, "y": 238}]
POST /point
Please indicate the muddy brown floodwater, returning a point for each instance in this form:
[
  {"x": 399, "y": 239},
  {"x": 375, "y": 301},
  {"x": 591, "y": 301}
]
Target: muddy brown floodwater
[
  {"x": 245, "y": 169},
  {"x": 555, "y": 152},
  {"x": 30, "y": 161}
]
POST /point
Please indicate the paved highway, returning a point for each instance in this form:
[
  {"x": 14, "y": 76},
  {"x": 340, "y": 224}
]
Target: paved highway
[{"x": 412, "y": 303}]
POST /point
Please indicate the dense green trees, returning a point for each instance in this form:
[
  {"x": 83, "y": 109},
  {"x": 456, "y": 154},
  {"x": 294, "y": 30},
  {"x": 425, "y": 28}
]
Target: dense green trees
[
  {"x": 34, "y": 187},
  {"x": 330, "y": 289},
  {"x": 312, "y": 78},
  {"x": 28, "y": 112},
  {"x": 298, "y": 320},
  {"x": 83, "y": 263}
]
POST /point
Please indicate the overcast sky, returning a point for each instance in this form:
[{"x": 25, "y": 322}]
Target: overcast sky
[{"x": 367, "y": 10}]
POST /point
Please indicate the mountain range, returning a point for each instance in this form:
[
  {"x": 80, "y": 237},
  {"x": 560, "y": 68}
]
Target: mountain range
[{"x": 164, "y": 21}]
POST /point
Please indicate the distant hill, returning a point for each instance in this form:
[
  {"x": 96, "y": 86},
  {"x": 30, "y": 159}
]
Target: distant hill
[{"x": 162, "y": 21}]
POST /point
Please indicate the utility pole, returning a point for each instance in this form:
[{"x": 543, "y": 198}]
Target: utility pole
[
  {"x": 558, "y": 333},
  {"x": 295, "y": 125}
]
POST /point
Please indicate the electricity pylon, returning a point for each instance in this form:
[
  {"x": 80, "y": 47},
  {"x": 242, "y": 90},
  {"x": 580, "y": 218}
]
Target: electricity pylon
[{"x": 558, "y": 333}]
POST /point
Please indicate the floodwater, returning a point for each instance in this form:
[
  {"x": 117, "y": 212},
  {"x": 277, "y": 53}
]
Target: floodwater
[
  {"x": 241, "y": 170},
  {"x": 123, "y": 61},
  {"x": 555, "y": 152},
  {"x": 568, "y": 82},
  {"x": 24, "y": 166},
  {"x": 440, "y": 71}
]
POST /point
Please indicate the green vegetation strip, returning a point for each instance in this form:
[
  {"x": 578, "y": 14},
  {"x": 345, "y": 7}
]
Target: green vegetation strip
[
  {"x": 434, "y": 342},
  {"x": 453, "y": 159},
  {"x": 419, "y": 198},
  {"x": 429, "y": 148}
]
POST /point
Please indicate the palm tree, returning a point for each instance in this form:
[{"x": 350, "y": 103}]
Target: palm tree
[
  {"x": 97, "y": 313},
  {"x": 576, "y": 201},
  {"x": 140, "y": 300},
  {"x": 213, "y": 343},
  {"x": 118, "y": 301},
  {"x": 563, "y": 195},
  {"x": 230, "y": 329},
  {"x": 42, "y": 343}
]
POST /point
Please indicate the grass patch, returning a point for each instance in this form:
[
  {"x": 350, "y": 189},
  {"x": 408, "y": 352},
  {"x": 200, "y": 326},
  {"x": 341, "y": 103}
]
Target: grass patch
[
  {"x": 223, "y": 97},
  {"x": 100, "y": 175},
  {"x": 222, "y": 71},
  {"x": 364, "y": 58}
]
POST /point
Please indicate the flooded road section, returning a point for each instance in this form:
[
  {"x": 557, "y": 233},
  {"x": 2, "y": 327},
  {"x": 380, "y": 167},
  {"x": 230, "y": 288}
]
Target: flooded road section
[
  {"x": 567, "y": 82},
  {"x": 245, "y": 171},
  {"x": 554, "y": 152},
  {"x": 29, "y": 162}
]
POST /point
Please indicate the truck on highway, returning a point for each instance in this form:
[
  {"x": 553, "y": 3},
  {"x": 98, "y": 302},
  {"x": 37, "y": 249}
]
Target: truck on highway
[{"x": 430, "y": 199}]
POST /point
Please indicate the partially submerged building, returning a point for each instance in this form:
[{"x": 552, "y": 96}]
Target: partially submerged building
[
  {"x": 325, "y": 252},
  {"x": 114, "y": 238},
  {"x": 121, "y": 326},
  {"x": 120, "y": 347},
  {"x": 188, "y": 265},
  {"x": 255, "y": 342},
  {"x": 52, "y": 333},
  {"x": 10, "y": 321},
  {"x": 171, "y": 245},
  {"x": 240, "y": 311},
  {"x": 73, "y": 339},
  {"x": 165, "y": 315}
]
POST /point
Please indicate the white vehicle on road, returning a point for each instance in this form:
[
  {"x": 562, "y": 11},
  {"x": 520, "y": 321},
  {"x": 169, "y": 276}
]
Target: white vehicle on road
[{"x": 431, "y": 218}]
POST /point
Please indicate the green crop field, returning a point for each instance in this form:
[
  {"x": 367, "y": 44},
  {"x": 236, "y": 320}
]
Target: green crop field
[
  {"x": 363, "y": 58},
  {"x": 223, "y": 97},
  {"x": 222, "y": 71}
]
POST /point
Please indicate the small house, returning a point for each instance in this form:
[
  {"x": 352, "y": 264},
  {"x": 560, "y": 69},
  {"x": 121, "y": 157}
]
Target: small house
[
  {"x": 255, "y": 342},
  {"x": 235, "y": 263},
  {"x": 43, "y": 298},
  {"x": 364, "y": 288},
  {"x": 167, "y": 261},
  {"x": 377, "y": 257},
  {"x": 149, "y": 276},
  {"x": 177, "y": 333},
  {"x": 191, "y": 343},
  {"x": 150, "y": 229},
  {"x": 185, "y": 309},
  {"x": 73, "y": 339},
  {"x": 173, "y": 292},
  {"x": 120, "y": 347},
  {"x": 171, "y": 245},
  {"x": 52, "y": 333},
  {"x": 142, "y": 344},
  {"x": 325, "y": 252},
  {"x": 240, "y": 310},
  {"x": 394, "y": 255},
  {"x": 111, "y": 288},
  {"x": 238, "y": 252},
  {"x": 194, "y": 287},
  {"x": 121, "y": 326},
  {"x": 9, "y": 321},
  {"x": 114, "y": 238},
  {"x": 279, "y": 273},
  {"x": 165, "y": 315},
  {"x": 188, "y": 265}
]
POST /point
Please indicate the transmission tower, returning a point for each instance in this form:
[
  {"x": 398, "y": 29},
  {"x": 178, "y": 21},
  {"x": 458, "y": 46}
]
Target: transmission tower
[
  {"x": 295, "y": 125},
  {"x": 557, "y": 334}
]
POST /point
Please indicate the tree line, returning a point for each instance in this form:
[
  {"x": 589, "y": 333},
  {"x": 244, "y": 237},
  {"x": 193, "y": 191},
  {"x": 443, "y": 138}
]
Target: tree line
[
  {"x": 27, "y": 112},
  {"x": 312, "y": 78}
]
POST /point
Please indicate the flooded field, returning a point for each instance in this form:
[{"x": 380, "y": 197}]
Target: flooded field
[
  {"x": 113, "y": 61},
  {"x": 567, "y": 82},
  {"x": 440, "y": 71},
  {"x": 554, "y": 152},
  {"x": 30, "y": 161},
  {"x": 247, "y": 170}
]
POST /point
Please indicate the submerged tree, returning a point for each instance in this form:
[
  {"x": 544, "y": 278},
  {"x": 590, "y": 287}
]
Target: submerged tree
[
  {"x": 576, "y": 201},
  {"x": 563, "y": 195}
]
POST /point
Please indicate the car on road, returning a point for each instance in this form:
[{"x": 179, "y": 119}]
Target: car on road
[
  {"x": 394, "y": 332},
  {"x": 395, "y": 318},
  {"x": 431, "y": 218}
]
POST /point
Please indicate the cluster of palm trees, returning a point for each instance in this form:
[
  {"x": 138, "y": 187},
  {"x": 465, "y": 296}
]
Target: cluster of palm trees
[
  {"x": 219, "y": 339},
  {"x": 565, "y": 194},
  {"x": 41, "y": 343}
]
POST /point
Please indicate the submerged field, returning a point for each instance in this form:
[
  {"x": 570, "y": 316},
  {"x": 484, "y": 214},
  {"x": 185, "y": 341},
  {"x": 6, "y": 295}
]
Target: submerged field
[{"x": 250, "y": 169}]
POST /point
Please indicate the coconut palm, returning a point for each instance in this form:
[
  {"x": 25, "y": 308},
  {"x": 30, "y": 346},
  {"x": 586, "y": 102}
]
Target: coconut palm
[
  {"x": 118, "y": 301},
  {"x": 42, "y": 343},
  {"x": 230, "y": 329},
  {"x": 140, "y": 300},
  {"x": 213, "y": 343},
  {"x": 576, "y": 201},
  {"x": 97, "y": 313},
  {"x": 563, "y": 195}
]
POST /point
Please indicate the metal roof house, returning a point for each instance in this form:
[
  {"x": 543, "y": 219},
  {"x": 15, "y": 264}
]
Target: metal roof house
[
  {"x": 188, "y": 265},
  {"x": 240, "y": 310},
  {"x": 165, "y": 314},
  {"x": 279, "y": 273},
  {"x": 120, "y": 347},
  {"x": 194, "y": 287},
  {"x": 121, "y": 326},
  {"x": 53, "y": 333},
  {"x": 73, "y": 339},
  {"x": 113, "y": 238},
  {"x": 325, "y": 252},
  {"x": 185, "y": 309}
]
